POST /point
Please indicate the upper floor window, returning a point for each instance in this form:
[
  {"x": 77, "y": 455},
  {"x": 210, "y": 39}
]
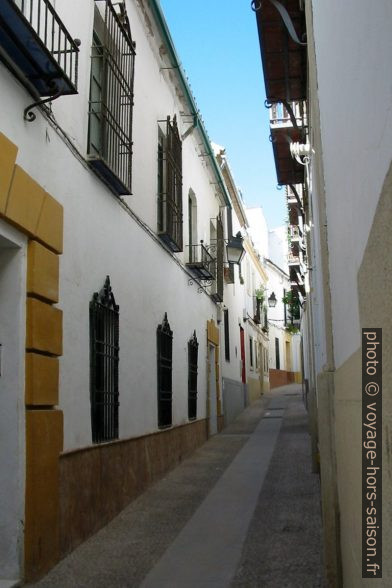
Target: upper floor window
[
  {"x": 111, "y": 97},
  {"x": 193, "y": 347},
  {"x": 170, "y": 185},
  {"x": 104, "y": 358},
  {"x": 165, "y": 361}
]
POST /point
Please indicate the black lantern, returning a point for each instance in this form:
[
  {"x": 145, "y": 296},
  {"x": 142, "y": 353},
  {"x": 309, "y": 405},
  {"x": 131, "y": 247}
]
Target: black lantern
[
  {"x": 272, "y": 300},
  {"x": 235, "y": 250}
]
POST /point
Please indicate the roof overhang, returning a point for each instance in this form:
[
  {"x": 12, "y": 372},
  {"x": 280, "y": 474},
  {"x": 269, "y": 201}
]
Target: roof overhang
[{"x": 284, "y": 60}]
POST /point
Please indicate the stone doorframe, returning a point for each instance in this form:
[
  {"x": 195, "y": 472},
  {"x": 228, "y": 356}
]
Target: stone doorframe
[
  {"x": 25, "y": 205},
  {"x": 213, "y": 338}
]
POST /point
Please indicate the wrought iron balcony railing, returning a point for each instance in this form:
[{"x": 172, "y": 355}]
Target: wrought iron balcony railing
[
  {"x": 37, "y": 48},
  {"x": 201, "y": 263}
]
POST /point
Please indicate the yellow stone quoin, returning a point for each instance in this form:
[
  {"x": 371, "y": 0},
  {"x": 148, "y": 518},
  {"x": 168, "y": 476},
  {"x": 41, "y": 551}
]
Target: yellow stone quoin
[
  {"x": 44, "y": 327},
  {"x": 44, "y": 442},
  {"x": 50, "y": 224},
  {"x": 26, "y": 205},
  {"x": 8, "y": 153},
  {"x": 25, "y": 200},
  {"x": 42, "y": 380},
  {"x": 42, "y": 272}
]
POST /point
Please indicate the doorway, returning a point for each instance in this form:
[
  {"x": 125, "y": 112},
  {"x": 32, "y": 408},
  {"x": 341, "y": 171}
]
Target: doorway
[
  {"x": 213, "y": 412},
  {"x": 12, "y": 423}
]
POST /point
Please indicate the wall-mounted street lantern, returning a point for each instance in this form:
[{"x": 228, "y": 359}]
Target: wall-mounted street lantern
[
  {"x": 272, "y": 300},
  {"x": 235, "y": 250}
]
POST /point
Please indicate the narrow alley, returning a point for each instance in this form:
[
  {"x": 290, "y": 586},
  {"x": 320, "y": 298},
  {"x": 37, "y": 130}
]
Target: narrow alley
[{"x": 241, "y": 511}]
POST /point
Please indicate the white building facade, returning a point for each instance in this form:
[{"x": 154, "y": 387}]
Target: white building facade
[
  {"x": 339, "y": 167},
  {"x": 112, "y": 249}
]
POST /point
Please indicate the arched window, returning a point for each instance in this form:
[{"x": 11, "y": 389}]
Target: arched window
[
  {"x": 193, "y": 346},
  {"x": 164, "y": 353},
  {"x": 104, "y": 358}
]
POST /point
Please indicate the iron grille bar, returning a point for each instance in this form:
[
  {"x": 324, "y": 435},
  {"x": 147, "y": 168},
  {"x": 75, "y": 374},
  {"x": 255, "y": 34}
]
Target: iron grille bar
[
  {"x": 164, "y": 356},
  {"x": 104, "y": 342},
  {"x": 114, "y": 55},
  {"x": 193, "y": 346},
  {"x": 170, "y": 187}
]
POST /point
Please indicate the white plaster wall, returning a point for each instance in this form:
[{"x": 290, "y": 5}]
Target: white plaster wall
[
  {"x": 234, "y": 296},
  {"x": 353, "y": 41},
  {"x": 277, "y": 282},
  {"x": 258, "y": 229},
  {"x": 12, "y": 423},
  {"x": 101, "y": 238},
  {"x": 296, "y": 352},
  {"x": 278, "y": 247}
]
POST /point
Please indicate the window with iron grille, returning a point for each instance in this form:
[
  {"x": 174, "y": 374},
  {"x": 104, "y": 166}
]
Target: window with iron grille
[
  {"x": 277, "y": 353},
  {"x": 104, "y": 358},
  {"x": 193, "y": 347},
  {"x": 111, "y": 97},
  {"x": 251, "y": 352},
  {"x": 164, "y": 355},
  {"x": 170, "y": 185}
]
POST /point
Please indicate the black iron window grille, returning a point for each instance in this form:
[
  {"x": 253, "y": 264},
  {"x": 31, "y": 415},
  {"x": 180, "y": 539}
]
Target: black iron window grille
[
  {"x": 104, "y": 358},
  {"x": 170, "y": 221},
  {"x": 38, "y": 49},
  {"x": 193, "y": 347},
  {"x": 277, "y": 353},
  {"x": 165, "y": 360},
  {"x": 111, "y": 97},
  {"x": 258, "y": 305}
]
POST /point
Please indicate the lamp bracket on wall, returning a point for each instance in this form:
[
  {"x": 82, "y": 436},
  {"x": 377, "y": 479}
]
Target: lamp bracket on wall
[{"x": 301, "y": 152}]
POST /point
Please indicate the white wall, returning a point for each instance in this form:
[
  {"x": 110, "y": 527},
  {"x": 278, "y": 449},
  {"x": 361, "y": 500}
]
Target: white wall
[
  {"x": 278, "y": 247},
  {"x": 258, "y": 230},
  {"x": 352, "y": 42},
  {"x": 277, "y": 283},
  {"x": 101, "y": 238}
]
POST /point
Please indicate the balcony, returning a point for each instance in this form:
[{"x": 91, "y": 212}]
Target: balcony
[
  {"x": 284, "y": 60},
  {"x": 296, "y": 236},
  {"x": 287, "y": 125},
  {"x": 201, "y": 263},
  {"x": 37, "y": 48}
]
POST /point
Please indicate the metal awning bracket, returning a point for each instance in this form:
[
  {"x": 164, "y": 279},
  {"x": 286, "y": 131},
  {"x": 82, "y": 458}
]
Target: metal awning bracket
[{"x": 30, "y": 116}]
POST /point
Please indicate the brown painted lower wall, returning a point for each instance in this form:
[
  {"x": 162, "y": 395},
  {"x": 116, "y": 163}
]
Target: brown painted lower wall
[
  {"x": 280, "y": 378},
  {"x": 221, "y": 423},
  {"x": 98, "y": 482}
]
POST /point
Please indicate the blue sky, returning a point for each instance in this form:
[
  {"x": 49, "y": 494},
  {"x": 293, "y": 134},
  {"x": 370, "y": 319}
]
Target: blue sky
[{"x": 217, "y": 43}]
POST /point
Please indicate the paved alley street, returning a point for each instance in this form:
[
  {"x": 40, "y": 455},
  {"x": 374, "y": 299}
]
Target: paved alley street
[{"x": 242, "y": 511}]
